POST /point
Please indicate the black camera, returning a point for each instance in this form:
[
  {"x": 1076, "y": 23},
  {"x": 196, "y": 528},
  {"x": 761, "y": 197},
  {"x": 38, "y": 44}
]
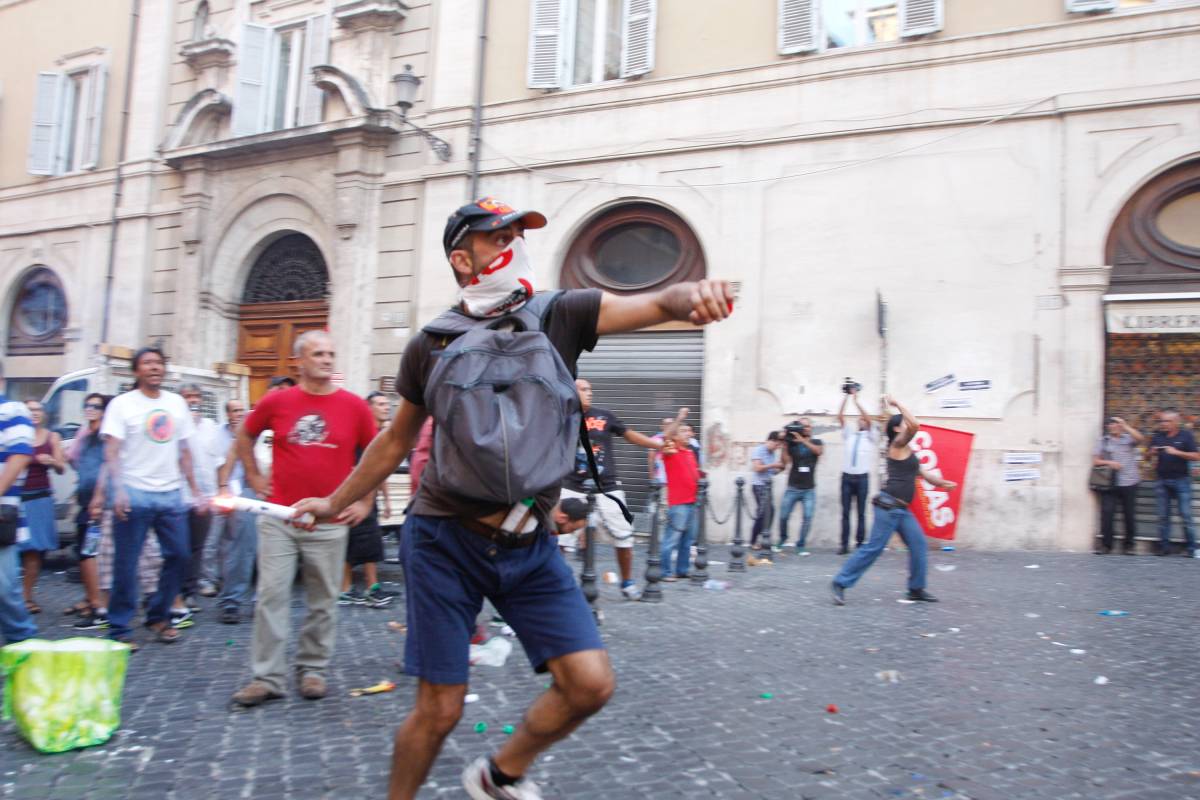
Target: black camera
[
  {"x": 796, "y": 428},
  {"x": 851, "y": 385}
]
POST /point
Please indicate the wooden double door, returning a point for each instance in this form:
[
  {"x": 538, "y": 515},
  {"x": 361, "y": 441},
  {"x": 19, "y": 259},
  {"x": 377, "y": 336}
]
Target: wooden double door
[{"x": 266, "y": 332}]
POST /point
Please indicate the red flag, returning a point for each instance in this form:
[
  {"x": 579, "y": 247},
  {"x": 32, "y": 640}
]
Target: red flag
[{"x": 948, "y": 451}]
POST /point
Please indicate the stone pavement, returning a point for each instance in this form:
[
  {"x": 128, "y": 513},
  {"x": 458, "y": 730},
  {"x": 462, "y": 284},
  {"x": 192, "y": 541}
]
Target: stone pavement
[{"x": 994, "y": 695}]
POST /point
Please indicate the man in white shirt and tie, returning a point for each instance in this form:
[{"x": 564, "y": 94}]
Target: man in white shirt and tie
[{"x": 860, "y": 440}]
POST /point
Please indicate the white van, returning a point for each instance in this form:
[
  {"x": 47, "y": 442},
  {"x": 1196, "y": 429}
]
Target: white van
[{"x": 113, "y": 375}]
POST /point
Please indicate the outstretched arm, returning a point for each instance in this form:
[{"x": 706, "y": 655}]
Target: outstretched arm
[
  {"x": 911, "y": 426},
  {"x": 700, "y": 303},
  {"x": 842, "y": 410},
  {"x": 938, "y": 480},
  {"x": 641, "y": 439}
]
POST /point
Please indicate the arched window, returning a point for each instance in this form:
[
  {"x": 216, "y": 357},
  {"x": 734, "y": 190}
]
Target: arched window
[
  {"x": 291, "y": 268},
  {"x": 1154, "y": 245},
  {"x": 39, "y": 314},
  {"x": 633, "y": 248},
  {"x": 200, "y": 22}
]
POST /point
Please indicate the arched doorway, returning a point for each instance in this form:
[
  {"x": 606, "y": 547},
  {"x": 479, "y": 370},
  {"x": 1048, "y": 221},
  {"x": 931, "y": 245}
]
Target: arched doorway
[
  {"x": 645, "y": 376},
  {"x": 286, "y": 293}
]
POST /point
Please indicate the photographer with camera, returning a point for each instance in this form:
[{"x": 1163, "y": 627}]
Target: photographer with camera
[
  {"x": 860, "y": 441},
  {"x": 800, "y": 460},
  {"x": 766, "y": 463}
]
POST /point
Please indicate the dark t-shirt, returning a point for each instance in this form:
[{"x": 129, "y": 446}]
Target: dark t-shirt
[
  {"x": 803, "y": 473},
  {"x": 1170, "y": 466},
  {"x": 571, "y": 328},
  {"x": 601, "y": 425}
]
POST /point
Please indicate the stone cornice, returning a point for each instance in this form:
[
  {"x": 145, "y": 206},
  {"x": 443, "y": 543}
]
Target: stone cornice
[
  {"x": 1084, "y": 279},
  {"x": 374, "y": 122},
  {"x": 205, "y": 53},
  {"x": 362, "y": 15}
]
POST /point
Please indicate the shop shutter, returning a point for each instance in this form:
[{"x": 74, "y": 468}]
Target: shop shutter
[{"x": 642, "y": 378}]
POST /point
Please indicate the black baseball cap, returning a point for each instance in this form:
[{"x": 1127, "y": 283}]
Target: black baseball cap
[
  {"x": 485, "y": 214},
  {"x": 281, "y": 380}
]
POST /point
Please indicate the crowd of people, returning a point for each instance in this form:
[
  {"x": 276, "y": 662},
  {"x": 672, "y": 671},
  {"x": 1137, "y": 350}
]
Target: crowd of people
[{"x": 490, "y": 516}]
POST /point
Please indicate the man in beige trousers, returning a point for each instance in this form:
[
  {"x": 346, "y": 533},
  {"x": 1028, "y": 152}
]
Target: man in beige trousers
[{"x": 318, "y": 432}]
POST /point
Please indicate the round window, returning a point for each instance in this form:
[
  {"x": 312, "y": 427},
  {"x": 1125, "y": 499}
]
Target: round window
[
  {"x": 41, "y": 309},
  {"x": 632, "y": 248},
  {"x": 638, "y": 254}
]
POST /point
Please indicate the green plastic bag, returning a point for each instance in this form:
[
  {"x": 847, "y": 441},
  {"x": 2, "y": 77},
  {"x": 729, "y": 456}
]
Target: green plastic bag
[{"x": 65, "y": 694}]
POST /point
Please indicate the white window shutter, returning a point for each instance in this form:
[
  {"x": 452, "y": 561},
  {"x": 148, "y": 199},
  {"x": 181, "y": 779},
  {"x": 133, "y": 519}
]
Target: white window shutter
[
  {"x": 250, "y": 96},
  {"x": 98, "y": 83},
  {"x": 638, "y": 24},
  {"x": 1084, "y": 6},
  {"x": 798, "y": 26},
  {"x": 44, "y": 136},
  {"x": 316, "y": 53},
  {"x": 547, "y": 53},
  {"x": 919, "y": 17}
]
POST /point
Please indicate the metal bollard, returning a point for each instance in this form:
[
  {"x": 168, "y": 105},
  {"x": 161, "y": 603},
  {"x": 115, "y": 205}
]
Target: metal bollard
[
  {"x": 587, "y": 579},
  {"x": 653, "y": 591},
  {"x": 737, "y": 553},
  {"x": 700, "y": 565}
]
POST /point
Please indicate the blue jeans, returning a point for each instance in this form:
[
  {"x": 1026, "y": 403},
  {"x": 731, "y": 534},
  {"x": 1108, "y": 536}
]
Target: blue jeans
[
  {"x": 884, "y": 525},
  {"x": 238, "y": 567},
  {"x": 167, "y": 514},
  {"x": 15, "y": 623},
  {"x": 764, "y": 511},
  {"x": 1179, "y": 490},
  {"x": 677, "y": 539},
  {"x": 808, "y": 501}
]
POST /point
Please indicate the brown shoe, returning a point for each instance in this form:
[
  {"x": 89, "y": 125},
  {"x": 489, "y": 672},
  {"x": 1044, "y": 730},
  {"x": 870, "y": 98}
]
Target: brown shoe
[
  {"x": 255, "y": 693},
  {"x": 312, "y": 687}
]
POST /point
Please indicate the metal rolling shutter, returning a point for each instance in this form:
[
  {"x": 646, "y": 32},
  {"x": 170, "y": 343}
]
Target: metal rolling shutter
[{"x": 643, "y": 377}]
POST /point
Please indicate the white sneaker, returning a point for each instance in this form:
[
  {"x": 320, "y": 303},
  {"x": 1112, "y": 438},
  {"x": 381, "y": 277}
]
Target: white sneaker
[
  {"x": 477, "y": 780},
  {"x": 631, "y": 592}
]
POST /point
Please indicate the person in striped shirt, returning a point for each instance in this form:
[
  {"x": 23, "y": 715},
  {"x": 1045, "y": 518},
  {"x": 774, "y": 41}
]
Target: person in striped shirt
[{"x": 16, "y": 451}]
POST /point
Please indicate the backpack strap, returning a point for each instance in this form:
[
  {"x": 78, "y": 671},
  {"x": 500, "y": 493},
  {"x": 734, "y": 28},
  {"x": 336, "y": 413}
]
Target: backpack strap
[
  {"x": 531, "y": 316},
  {"x": 595, "y": 471}
]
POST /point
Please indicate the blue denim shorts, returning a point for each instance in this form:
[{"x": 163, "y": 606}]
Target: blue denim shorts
[{"x": 448, "y": 570}]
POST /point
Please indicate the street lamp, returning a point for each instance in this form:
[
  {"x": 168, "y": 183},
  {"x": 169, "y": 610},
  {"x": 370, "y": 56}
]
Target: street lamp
[{"x": 405, "y": 85}]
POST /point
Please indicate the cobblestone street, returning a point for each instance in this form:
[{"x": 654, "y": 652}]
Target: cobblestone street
[{"x": 991, "y": 693}]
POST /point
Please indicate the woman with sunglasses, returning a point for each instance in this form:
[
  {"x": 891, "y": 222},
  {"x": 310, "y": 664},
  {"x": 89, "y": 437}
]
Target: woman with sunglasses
[
  {"x": 87, "y": 457},
  {"x": 37, "y": 497}
]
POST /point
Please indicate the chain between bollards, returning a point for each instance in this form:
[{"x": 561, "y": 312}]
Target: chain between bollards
[
  {"x": 737, "y": 552},
  {"x": 700, "y": 565},
  {"x": 653, "y": 591},
  {"x": 587, "y": 579}
]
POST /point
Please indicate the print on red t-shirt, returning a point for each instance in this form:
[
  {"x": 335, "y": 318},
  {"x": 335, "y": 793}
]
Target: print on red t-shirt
[
  {"x": 683, "y": 475},
  {"x": 317, "y": 439}
]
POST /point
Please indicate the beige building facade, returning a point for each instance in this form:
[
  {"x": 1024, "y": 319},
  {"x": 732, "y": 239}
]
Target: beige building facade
[{"x": 968, "y": 162}]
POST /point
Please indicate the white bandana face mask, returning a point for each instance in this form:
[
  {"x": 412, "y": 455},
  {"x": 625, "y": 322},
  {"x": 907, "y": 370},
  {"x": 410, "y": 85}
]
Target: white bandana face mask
[{"x": 503, "y": 286}]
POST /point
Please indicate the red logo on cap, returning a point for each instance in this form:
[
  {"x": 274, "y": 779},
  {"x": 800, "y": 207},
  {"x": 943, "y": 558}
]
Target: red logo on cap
[{"x": 495, "y": 206}]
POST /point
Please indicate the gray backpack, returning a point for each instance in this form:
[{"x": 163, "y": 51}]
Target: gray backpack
[{"x": 505, "y": 405}]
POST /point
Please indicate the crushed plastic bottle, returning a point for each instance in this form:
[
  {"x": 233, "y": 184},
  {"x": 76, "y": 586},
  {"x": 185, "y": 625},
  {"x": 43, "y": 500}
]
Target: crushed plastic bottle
[
  {"x": 492, "y": 653},
  {"x": 949, "y": 548},
  {"x": 1113, "y": 613},
  {"x": 714, "y": 585}
]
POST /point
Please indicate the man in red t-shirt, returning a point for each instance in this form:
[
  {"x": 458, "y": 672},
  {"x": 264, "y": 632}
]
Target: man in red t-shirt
[
  {"x": 318, "y": 432},
  {"x": 683, "y": 476}
]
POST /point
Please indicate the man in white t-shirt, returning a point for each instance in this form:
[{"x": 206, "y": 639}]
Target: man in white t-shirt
[
  {"x": 143, "y": 431},
  {"x": 208, "y": 448},
  {"x": 860, "y": 440}
]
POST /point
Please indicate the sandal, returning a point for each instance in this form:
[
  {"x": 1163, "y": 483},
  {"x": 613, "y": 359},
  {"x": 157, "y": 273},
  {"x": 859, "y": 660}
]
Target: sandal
[
  {"x": 78, "y": 610},
  {"x": 164, "y": 633},
  {"x": 127, "y": 640},
  {"x": 32, "y": 607}
]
